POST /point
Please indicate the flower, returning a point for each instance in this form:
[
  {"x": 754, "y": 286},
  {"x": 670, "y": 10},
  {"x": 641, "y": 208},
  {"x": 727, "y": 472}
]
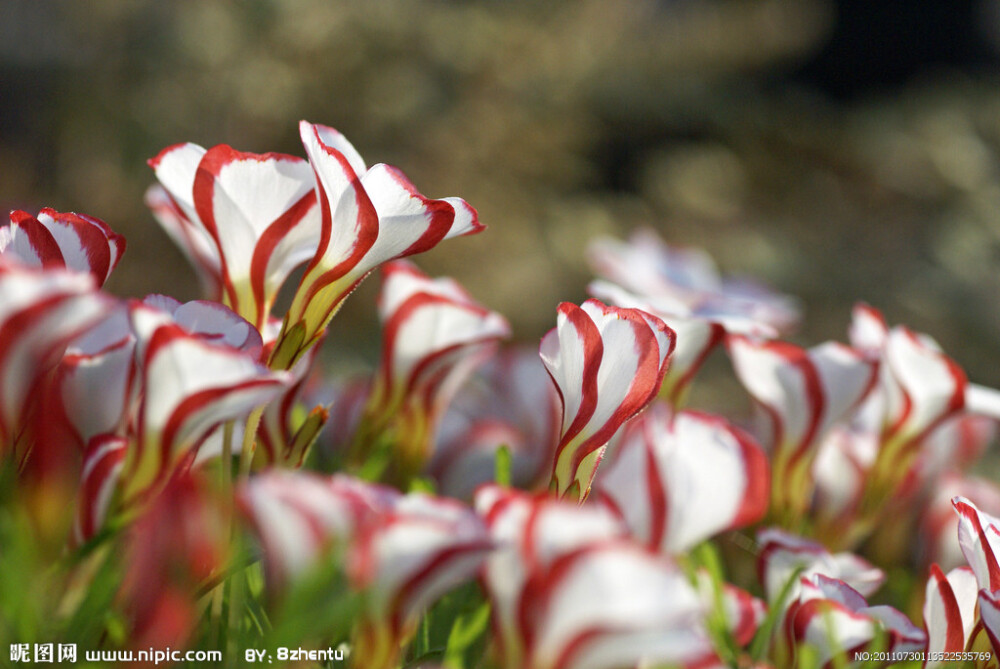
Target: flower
[
  {"x": 368, "y": 216},
  {"x": 402, "y": 551},
  {"x": 949, "y": 612},
  {"x": 178, "y": 543},
  {"x": 189, "y": 386},
  {"x": 246, "y": 220},
  {"x": 405, "y": 559},
  {"x": 300, "y": 518},
  {"x": 678, "y": 480},
  {"x": 837, "y": 622},
  {"x": 802, "y": 393},
  {"x": 607, "y": 364},
  {"x": 434, "y": 335},
  {"x": 650, "y": 269},
  {"x": 75, "y": 241},
  {"x": 41, "y": 310},
  {"x": 570, "y": 589},
  {"x": 102, "y": 465},
  {"x": 509, "y": 402}
]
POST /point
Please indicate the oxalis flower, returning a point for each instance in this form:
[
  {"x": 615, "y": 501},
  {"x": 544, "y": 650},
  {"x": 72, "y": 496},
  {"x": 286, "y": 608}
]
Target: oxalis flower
[
  {"x": 75, "y": 241},
  {"x": 676, "y": 480},
  {"x": 510, "y": 403},
  {"x": 41, "y": 310},
  {"x": 367, "y": 217},
  {"x": 607, "y": 364},
  {"x": 402, "y": 551},
  {"x": 434, "y": 335},
  {"x": 802, "y": 393},
  {"x": 245, "y": 220},
  {"x": 569, "y": 589},
  {"x": 824, "y": 604},
  {"x": 189, "y": 386}
]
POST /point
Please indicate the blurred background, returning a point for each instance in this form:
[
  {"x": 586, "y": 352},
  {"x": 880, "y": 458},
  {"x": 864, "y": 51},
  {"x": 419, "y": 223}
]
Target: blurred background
[{"x": 839, "y": 150}]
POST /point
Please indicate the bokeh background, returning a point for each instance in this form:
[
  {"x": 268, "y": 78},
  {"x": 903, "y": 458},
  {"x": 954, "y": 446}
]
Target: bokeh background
[{"x": 839, "y": 150}]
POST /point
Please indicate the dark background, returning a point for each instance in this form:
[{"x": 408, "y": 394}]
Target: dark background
[{"x": 841, "y": 151}]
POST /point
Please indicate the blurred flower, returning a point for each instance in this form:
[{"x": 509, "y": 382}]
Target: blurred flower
[
  {"x": 102, "y": 465},
  {"x": 651, "y": 269},
  {"x": 403, "y": 551},
  {"x": 607, "y": 364},
  {"x": 434, "y": 335},
  {"x": 783, "y": 554},
  {"x": 180, "y": 541},
  {"x": 258, "y": 211},
  {"x": 405, "y": 559},
  {"x": 368, "y": 216},
  {"x": 41, "y": 310},
  {"x": 803, "y": 393},
  {"x": 939, "y": 524},
  {"x": 189, "y": 386},
  {"x": 677, "y": 480},
  {"x": 509, "y": 402},
  {"x": 949, "y": 612},
  {"x": 52, "y": 239},
  {"x": 837, "y": 622},
  {"x": 569, "y": 589},
  {"x": 300, "y": 518}
]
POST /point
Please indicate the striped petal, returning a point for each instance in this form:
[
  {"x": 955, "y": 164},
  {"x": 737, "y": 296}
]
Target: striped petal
[
  {"x": 434, "y": 336},
  {"x": 299, "y": 516},
  {"x": 782, "y": 553},
  {"x": 40, "y": 312},
  {"x": 531, "y": 531},
  {"x": 191, "y": 238},
  {"x": 923, "y": 386},
  {"x": 979, "y": 537},
  {"x": 102, "y": 465},
  {"x": 75, "y": 241},
  {"x": 612, "y": 605},
  {"x": 647, "y": 266},
  {"x": 949, "y": 611},
  {"x": 678, "y": 480},
  {"x": 803, "y": 392},
  {"x": 369, "y": 216},
  {"x": 697, "y": 334},
  {"x": 258, "y": 210},
  {"x": 607, "y": 364},
  {"x": 189, "y": 387}
]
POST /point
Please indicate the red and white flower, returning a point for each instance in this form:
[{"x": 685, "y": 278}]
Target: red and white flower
[
  {"x": 939, "y": 522},
  {"x": 569, "y": 589},
  {"x": 783, "y": 554},
  {"x": 41, "y": 310},
  {"x": 607, "y": 364},
  {"x": 949, "y": 612},
  {"x": 509, "y": 402},
  {"x": 368, "y": 216},
  {"x": 257, "y": 210},
  {"x": 677, "y": 480},
  {"x": 102, "y": 465},
  {"x": 300, "y": 517},
  {"x": 836, "y": 620},
  {"x": 434, "y": 335},
  {"x": 406, "y": 559},
  {"x": 189, "y": 386},
  {"x": 52, "y": 239},
  {"x": 646, "y": 266},
  {"x": 179, "y": 542},
  {"x": 802, "y": 394}
]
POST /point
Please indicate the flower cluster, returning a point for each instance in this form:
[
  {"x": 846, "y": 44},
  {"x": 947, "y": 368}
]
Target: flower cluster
[{"x": 189, "y": 476}]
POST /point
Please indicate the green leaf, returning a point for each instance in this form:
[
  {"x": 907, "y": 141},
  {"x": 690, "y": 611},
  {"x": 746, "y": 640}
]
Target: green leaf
[
  {"x": 503, "y": 466},
  {"x": 467, "y": 635},
  {"x": 761, "y": 643}
]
